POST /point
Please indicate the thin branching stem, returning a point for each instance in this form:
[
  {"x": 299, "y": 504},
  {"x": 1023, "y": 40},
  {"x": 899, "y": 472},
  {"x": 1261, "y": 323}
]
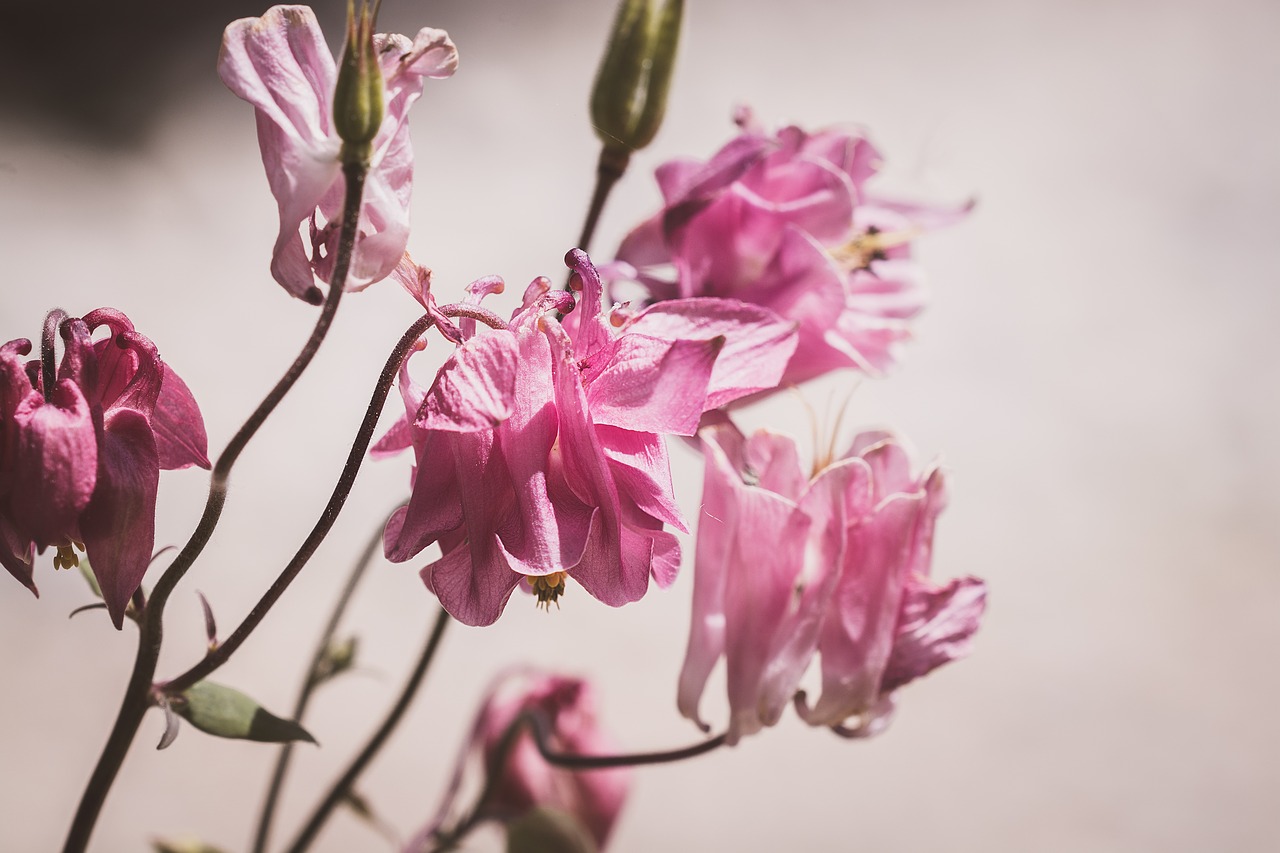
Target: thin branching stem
[
  {"x": 137, "y": 696},
  {"x": 309, "y": 684},
  {"x": 345, "y": 782}
]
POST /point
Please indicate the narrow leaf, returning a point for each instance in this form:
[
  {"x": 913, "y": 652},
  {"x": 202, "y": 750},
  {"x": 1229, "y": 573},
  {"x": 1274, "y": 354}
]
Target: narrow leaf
[{"x": 210, "y": 626}]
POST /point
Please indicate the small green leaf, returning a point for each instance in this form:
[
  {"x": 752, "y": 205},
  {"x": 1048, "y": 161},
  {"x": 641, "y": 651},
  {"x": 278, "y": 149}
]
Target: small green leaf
[
  {"x": 544, "y": 830},
  {"x": 223, "y": 712}
]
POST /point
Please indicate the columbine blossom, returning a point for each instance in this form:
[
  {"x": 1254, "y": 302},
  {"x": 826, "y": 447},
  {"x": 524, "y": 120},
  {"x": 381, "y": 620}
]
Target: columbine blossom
[
  {"x": 80, "y": 461},
  {"x": 526, "y": 780},
  {"x": 836, "y": 565},
  {"x": 539, "y": 450},
  {"x": 281, "y": 64},
  {"x": 785, "y": 221}
]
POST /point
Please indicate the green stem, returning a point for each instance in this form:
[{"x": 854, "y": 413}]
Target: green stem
[
  {"x": 309, "y": 685},
  {"x": 609, "y": 169},
  {"x": 137, "y": 697},
  {"x": 340, "y": 788}
]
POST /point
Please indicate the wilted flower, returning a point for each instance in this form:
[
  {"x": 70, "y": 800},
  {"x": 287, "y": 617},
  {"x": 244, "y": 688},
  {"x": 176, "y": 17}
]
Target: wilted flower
[
  {"x": 786, "y": 222},
  {"x": 281, "y": 64},
  {"x": 787, "y": 566},
  {"x": 80, "y": 461},
  {"x": 539, "y": 449}
]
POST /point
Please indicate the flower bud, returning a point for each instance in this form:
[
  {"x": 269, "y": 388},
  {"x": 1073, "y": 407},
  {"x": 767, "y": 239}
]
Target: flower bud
[
  {"x": 357, "y": 98},
  {"x": 630, "y": 93}
]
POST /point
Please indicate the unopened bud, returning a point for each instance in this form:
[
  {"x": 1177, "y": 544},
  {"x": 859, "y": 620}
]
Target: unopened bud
[
  {"x": 630, "y": 94},
  {"x": 357, "y": 98}
]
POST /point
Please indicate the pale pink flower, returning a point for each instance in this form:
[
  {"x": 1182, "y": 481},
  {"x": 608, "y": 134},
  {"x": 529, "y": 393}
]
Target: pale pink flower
[
  {"x": 560, "y": 471},
  {"x": 281, "y": 64},
  {"x": 836, "y": 565},
  {"x": 785, "y": 221}
]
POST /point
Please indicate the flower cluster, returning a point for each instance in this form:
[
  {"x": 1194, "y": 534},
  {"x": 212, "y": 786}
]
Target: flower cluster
[
  {"x": 539, "y": 446},
  {"x": 81, "y": 451}
]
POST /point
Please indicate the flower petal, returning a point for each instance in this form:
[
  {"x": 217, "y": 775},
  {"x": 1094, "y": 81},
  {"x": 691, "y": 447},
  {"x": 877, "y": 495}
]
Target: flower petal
[
  {"x": 937, "y": 625},
  {"x": 180, "y": 436},
  {"x": 757, "y": 342},
  {"x": 55, "y": 464},
  {"x": 474, "y": 388},
  {"x": 119, "y": 523}
]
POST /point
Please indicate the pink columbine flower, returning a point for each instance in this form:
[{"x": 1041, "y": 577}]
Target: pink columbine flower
[
  {"x": 785, "y": 221},
  {"x": 539, "y": 450},
  {"x": 526, "y": 780},
  {"x": 838, "y": 565},
  {"x": 80, "y": 461},
  {"x": 281, "y": 64}
]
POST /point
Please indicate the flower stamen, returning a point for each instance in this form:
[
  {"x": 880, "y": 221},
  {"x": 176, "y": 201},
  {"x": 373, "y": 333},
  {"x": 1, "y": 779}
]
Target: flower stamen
[
  {"x": 67, "y": 558},
  {"x": 548, "y": 588},
  {"x": 872, "y": 245}
]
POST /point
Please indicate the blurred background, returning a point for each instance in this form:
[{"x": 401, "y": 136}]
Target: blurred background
[{"x": 1097, "y": 369}]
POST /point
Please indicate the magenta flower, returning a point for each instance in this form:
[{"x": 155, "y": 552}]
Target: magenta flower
[
  {"x": 80, "y": 461},
  {"x": 786, "y": 222},
  {"x": 281, "y": 64},
  {"x": 539, "y": 450},
  {"x": 837, "y": 565},
  {"x": 526, "y": 780}
]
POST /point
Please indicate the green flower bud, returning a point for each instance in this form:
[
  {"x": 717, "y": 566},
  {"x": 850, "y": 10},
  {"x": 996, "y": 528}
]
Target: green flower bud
[
  {"x": 630, "y": 93},
  {"x": 357, "y": 98}
]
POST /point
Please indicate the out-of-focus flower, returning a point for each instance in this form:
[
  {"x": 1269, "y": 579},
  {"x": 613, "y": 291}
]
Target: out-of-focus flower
[
  {"x": 837, "y": 565},
  {"x": 785, "y": 221},
  {"x": 539, "y": 450},
  {"x": 281, "y": 64},
  {"x": 525, "y": 780},
  {"x": 80, "y": 461}
]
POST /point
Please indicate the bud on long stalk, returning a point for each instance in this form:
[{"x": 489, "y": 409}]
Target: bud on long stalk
[
  {"x": 357, "y": 98},
  {"x": 630, "y": 94}
]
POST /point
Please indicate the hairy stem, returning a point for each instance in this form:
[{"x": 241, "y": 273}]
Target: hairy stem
[
  {"x": 341, "y": 788},
  {"x": 137, "y": 694},
  {"x": 309, "y": 685}
]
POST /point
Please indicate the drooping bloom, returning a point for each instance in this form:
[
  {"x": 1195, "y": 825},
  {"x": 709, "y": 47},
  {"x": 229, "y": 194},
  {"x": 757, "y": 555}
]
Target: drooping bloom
[
  {"x": 836, "y": 565},
  {"x": 526, "y": 780},
  {"x": 785, "y": 221},
  {"x": 539, "y": 450},
  {"x": 80, "y": 461},
  {"x": 281, "y": 64},
  {"x": 518, "y": 778}
]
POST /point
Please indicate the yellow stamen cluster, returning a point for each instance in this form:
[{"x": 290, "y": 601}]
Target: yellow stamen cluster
[
  {"x": 67, "y": 558},
  {"x": 870, "y": 246},
  {"x": 548, "y": 588}
]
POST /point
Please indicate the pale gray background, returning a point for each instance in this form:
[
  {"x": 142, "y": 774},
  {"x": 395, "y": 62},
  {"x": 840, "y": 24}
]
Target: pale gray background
[{"x": 1098, "y": 369}]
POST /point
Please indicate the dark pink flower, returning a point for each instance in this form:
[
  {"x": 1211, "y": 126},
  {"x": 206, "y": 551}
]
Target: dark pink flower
[
  {"x": 525, "y": 780},
  {"x": 281, "y": 64},
  {"x": 836, "y": 565},
  {"x": 80, "y": 461},
  {"x": 786, "y": 222},
  {"x": 539, "y": 450}
]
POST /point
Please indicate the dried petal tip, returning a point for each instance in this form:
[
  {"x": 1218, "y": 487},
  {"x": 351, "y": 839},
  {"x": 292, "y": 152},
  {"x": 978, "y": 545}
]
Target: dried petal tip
[
  {"x": 357, "y": 98},
  {"x": 629, "y": 98}
]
